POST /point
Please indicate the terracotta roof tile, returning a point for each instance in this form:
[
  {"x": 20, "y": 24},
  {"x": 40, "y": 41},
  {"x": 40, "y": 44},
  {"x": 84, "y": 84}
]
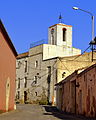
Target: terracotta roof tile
[{"x": 23, "y": 55}]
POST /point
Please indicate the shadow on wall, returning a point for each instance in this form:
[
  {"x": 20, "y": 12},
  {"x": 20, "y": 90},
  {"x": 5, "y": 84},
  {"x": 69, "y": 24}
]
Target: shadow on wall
[{"x": 52, "y": 110}]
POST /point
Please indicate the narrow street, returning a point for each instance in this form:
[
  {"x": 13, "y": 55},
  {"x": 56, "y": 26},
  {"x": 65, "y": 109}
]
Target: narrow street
[{"x": 37, "y": 112}]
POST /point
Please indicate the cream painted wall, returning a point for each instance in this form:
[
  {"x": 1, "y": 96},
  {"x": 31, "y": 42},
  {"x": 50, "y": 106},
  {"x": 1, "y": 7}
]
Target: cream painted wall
[
  {"x": 51, "y": 51},
  {"x": 72, "y": 63}
]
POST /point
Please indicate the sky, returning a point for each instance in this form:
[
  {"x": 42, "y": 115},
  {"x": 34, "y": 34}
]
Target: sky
[{"x": 27, "y": 21}]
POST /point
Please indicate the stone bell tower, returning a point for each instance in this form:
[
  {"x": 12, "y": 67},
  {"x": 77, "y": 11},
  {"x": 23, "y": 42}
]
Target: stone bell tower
[{"x": 60, "y": 34}]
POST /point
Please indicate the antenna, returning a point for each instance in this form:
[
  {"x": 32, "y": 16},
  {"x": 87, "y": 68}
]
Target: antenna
[{"x": 60, "y": 18}]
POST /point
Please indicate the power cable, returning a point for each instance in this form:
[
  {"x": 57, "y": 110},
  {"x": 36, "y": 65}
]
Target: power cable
[
  {"x": 64, "y": 65},
  {"x": 42, "y": 75},
  {"x": 82, "y": 53}
]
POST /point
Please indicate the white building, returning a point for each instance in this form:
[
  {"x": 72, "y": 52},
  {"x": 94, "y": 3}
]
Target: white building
[{"x": 59, "y": 42}]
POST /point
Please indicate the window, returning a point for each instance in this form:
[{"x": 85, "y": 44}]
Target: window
[
  {"x": 64, "y": 34},
  {"x": 25, "y": 82},
  {"x": 18, "y": 83},
  {"x": 52, "y": 36},
  {"x": 35, "y": 79},
  {"x": 49, "y": 70},
  {"x": 36, "y": 64},
  {"x": 36, "y": 93},
  {"x": 18, "y": 94},
  {"x": 49, "y": 75},
  {"x": 63, "y": 74},
  {"x": 25, "y": 66},
  {"x": 18, "y": 64},
  {"x": 56, "y": 75}
]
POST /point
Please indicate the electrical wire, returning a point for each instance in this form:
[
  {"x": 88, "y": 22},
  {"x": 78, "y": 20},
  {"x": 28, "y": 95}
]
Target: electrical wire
[
  {"x": 40, "y": 76},
  {"x": 64, "y": 65},
  {"x": 82, "y": 52}
]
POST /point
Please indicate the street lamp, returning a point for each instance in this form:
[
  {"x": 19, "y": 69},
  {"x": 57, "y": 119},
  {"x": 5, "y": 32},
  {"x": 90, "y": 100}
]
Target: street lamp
[{"x": 93, "y": 42}]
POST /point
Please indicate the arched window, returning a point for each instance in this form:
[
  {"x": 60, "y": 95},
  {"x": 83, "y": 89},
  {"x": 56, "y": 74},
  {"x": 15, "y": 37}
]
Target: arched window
[
  {"x": 52, "y": 36},
  {"x": 64, "y": 34}
]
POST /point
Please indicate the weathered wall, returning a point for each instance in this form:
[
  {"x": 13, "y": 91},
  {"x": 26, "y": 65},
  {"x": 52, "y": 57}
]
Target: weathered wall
[
  {"x": 86, "y": 95},
  {"x": 41, "y": 71},
  {"x": 36, "y": 89},
  {"x": 72, "y": 63},
  {"x": 78, "y": 93},
  {"x": 20, "y": 75},
  {"x": 7, "y": 75},
  {"x": 51, "y": 51}
]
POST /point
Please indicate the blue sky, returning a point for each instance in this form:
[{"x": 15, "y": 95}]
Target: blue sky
[{"x": 27, "y": 21}]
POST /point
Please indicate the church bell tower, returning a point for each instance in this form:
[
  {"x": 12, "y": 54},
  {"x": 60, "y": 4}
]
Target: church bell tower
[{"x": 60, "y": 34}]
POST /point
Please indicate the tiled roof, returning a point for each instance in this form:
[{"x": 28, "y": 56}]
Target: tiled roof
[{"x": 23, "y": 55}]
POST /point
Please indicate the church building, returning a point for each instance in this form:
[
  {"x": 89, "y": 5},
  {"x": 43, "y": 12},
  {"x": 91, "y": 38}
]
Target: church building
[{"x": 37, "y": 71}]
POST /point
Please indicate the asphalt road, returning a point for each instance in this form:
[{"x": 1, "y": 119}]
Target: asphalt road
[{"x": 37, "y": 112}]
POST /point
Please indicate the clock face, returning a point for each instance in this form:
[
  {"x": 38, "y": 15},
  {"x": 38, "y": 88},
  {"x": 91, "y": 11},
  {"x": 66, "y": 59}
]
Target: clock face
[{"x": 52, "y": 31}]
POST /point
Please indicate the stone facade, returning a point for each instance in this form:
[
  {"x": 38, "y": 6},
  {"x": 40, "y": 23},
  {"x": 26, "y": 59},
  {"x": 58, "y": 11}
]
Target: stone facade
[
  {"x": 21, "y": 75},
  {"x": 40, "y": 76}
]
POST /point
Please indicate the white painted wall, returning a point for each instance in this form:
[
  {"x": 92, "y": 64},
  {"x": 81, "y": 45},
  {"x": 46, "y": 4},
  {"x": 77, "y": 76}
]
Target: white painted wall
[
  {"x": 51, "y": 51},
  {"x": 58, "y": 35}
]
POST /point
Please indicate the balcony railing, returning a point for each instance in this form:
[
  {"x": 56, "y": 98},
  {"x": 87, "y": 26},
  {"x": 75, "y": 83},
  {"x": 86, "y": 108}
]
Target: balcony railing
[{"x": 37, "y": 43}]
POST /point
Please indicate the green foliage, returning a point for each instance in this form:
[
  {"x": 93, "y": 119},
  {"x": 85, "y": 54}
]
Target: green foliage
[{"x": 43, "y": 102}]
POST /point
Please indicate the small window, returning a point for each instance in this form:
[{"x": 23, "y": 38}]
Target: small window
[
  {"x": 52, "y": 30},
  {"x": 18, "y": 94},
  {"x": 49, "y": 75},
  {"x": 56, "y": 75},
  {"x": 35, "y": 79},
  {"x": 36, "y": 93},
  {"x": 52, "y": 36},
  {"x": 64, "y": 34},
  {"x": 36, "y": 63},
  {"x": 49, "y": 70},
  {"x": 18, "y": 64},
  {"x": 25, "y": 66},
  {"x": 18, "y": 83},
  {"x": 63, "y": 74},
  {"x": 25, "y": 82}
]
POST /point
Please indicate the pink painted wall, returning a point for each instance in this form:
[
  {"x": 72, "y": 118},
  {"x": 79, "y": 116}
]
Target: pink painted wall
[
  {"x": 7, "y": 69},
  {"x": 79, "y": 93},
  {"x": 86, "y": 102}
]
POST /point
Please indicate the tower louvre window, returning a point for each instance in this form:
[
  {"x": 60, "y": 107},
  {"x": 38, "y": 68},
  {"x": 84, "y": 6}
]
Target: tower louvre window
[
  {"x": 64, "y": 34},
  {"x": 52, "y": 36}
]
